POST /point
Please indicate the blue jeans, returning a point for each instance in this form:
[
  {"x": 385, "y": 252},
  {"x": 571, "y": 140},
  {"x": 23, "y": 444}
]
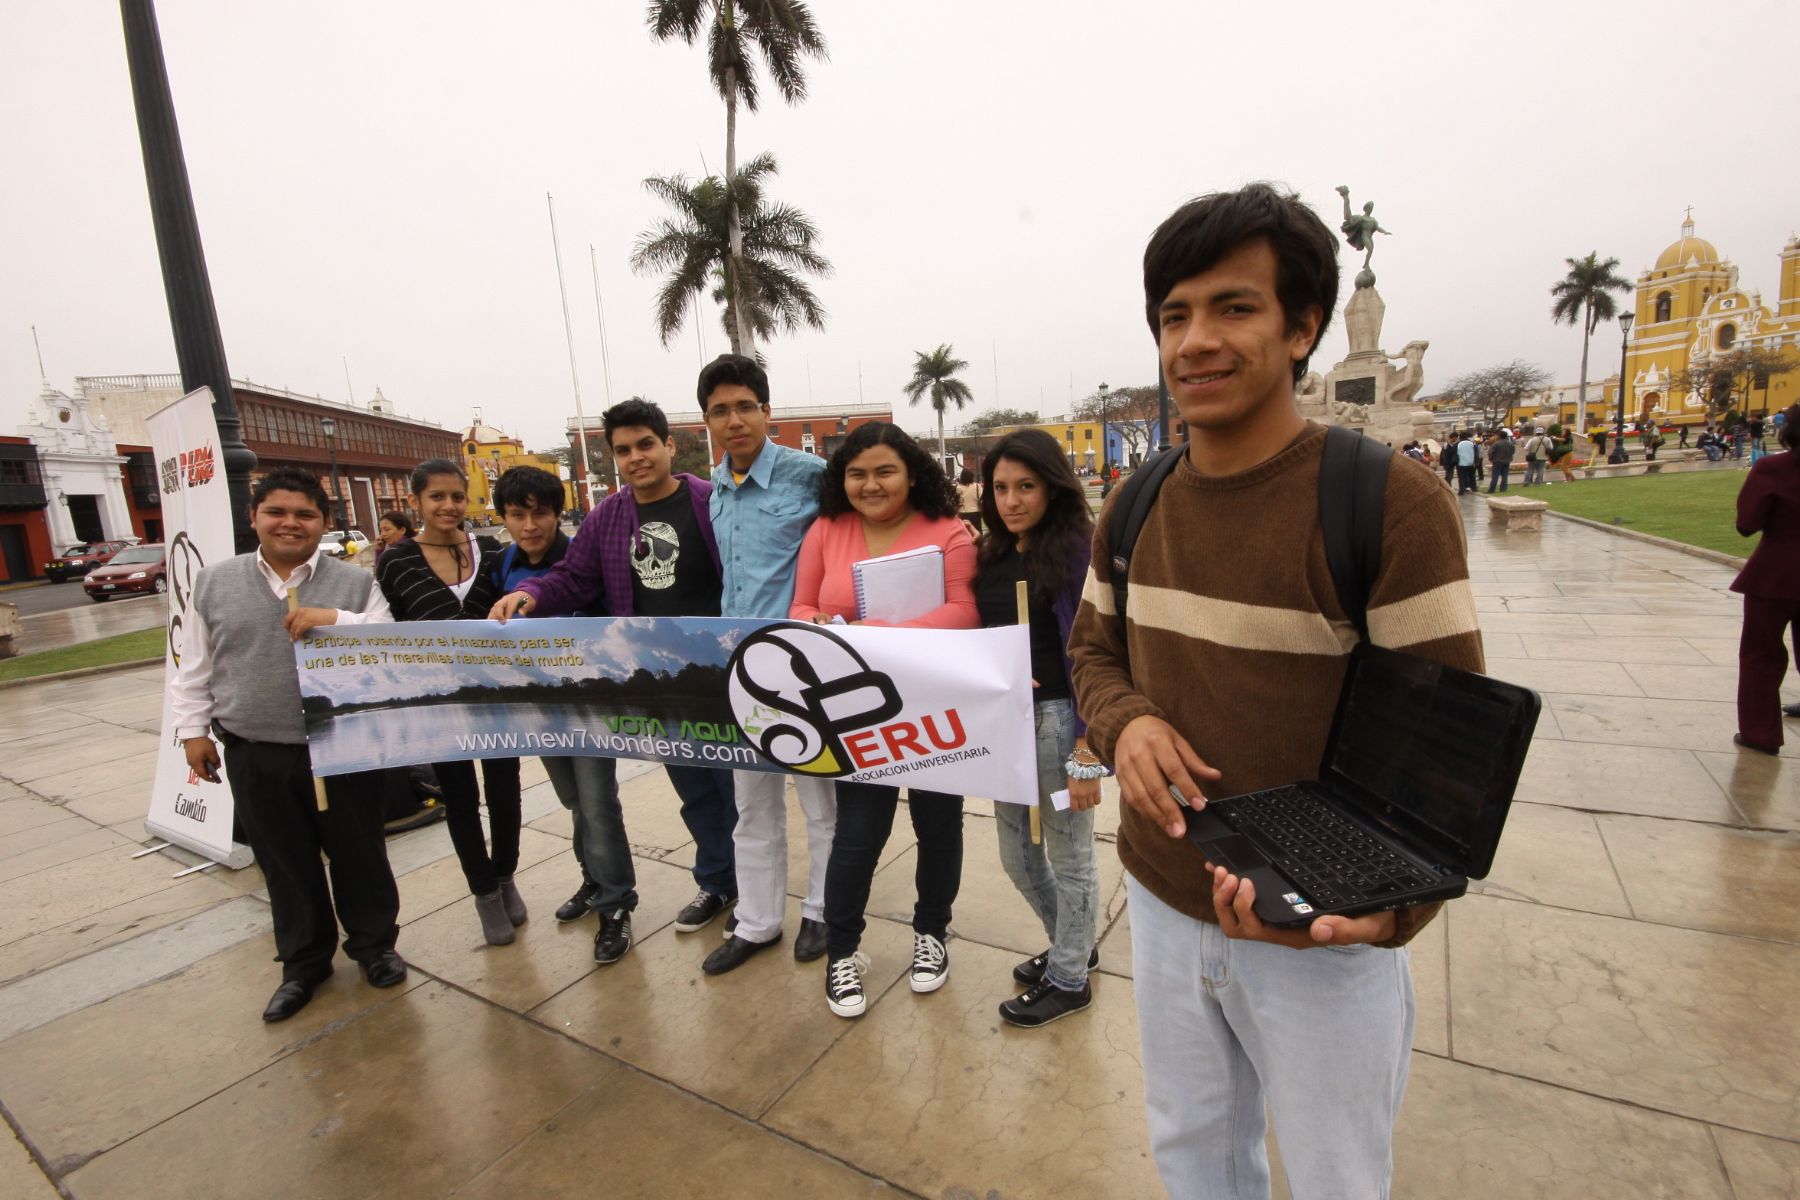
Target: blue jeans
[
  {"x": 1712, "y": 454},
  {"x": 709, "y": 810},
  {"x": 1322, "y": 1036},
  {"x": 1499, "y": 476},
  {"x": 1059, "y": 878},
  {"x": 1534, "y": 471},
  {"x": 589, "y": 789}
]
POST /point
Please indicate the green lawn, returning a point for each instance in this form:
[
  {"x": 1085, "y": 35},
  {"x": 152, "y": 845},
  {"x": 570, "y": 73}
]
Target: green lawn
[
  {"x": 1696, "y": 507},
  {"x": 123, "y": 647}
]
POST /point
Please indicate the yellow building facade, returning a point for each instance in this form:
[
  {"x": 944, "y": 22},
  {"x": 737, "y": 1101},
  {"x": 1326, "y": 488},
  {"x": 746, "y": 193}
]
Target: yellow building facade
[
  {"x": 1692, "y": 307},
  {"x": 488, "y": 454},
  {"x": 1080, "y": 440}
]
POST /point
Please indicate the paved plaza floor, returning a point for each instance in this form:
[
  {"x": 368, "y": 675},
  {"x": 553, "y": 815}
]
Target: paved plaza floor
[{"x": 1614, "y": 1013}]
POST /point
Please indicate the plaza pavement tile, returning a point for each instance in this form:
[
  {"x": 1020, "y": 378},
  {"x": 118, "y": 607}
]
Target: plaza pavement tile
[
  {"x": 1648, "y": 780},
  {"x": 20, "y": 1178},
  {"x": 95, "y": 930},
  {"x": 1671, "y": 681},
  {"x": 1708, "y": 876},
  {"x": 29, "y": 724},
  {"x": 1545, "y": 675},
  {"x": 1765, "y": 790},
  {"x": 1575, "y": 652},
  {"x": 412, "y": 1099},
  {"x": 936, "y": 1094},
  {"x": 441, "y": 883},
  {"x": 78, "y": 845},
  {"x": 1115, "y": 945},
  {"x": 1760, "y": 1168},
  {"x": 1429, "y": 954},
  {"x": 1686, "y": 1022},
  {"x": 1554, "y": 856},
  {"x": 119, "y": 805},
  {"x": 1686, "y": 724}
]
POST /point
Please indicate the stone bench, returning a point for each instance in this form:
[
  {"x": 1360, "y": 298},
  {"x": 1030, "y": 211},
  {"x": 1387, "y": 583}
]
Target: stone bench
[
  {"x": 1607, "y": 469},
  {"x": 1520, "y": 514}
]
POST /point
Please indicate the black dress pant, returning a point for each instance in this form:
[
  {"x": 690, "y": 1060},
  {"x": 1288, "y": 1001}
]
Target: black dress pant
[
  {"x": 865, "y": 818},
  {"x": 1763, "y": 666},
  {"x": 484, "y": 869},
  {"x": 272, "y": 790}
]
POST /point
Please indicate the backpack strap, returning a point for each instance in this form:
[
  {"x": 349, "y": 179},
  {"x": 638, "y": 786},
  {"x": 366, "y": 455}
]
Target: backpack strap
[
  {"x": 1130, "y": 510},
  {"x": 1352, "y": 495}
]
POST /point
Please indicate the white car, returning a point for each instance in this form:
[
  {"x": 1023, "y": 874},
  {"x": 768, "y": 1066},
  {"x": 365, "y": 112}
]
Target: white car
[{"x": 340, "y": 544}]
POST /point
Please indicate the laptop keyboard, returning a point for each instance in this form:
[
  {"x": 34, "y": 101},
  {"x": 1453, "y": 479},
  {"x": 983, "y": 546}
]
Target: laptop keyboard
[{"x": 1331, "y": 859}]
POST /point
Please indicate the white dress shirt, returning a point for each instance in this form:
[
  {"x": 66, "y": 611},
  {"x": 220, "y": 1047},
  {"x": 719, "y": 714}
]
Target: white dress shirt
[{"x": 190, "y": 695}]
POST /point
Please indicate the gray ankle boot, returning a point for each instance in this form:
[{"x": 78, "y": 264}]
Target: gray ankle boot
[
  {"x": 515, "y": 903},
  {"x": 495, "y": 927}
]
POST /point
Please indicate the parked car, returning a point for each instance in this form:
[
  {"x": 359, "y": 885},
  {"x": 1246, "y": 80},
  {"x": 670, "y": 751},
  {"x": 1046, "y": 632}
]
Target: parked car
[
  {"x": 340, "y": 544},
  {"x": 134, "y": 570},
  {"x": 81, "y": 558}
]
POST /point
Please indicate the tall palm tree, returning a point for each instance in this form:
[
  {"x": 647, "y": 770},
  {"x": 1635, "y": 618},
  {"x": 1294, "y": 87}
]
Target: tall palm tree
[
  {"x": 935, "y": 373},
  {"x": 767, "y": 294},
  {"x": 1585, "y": 295},
  {"x": 784, "y": 32}
]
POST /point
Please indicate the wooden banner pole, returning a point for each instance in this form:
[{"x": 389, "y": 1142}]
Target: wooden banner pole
[
  {"x": 293, "y": 606},
  {"x": 1024, "y": 598}
]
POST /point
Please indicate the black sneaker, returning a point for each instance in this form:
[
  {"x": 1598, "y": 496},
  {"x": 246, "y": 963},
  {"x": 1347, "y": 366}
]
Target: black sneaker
[
  {"x": 614, "y": 938},
  {"x": 1031, "y": 971},
  {"x": 843, "y": 985},
  {"x": 930, "y": 965},
  {"x": 1042, "y": 1003},
  {"x": 700, "y": 911},
  {"x": 576, "y": 906}
]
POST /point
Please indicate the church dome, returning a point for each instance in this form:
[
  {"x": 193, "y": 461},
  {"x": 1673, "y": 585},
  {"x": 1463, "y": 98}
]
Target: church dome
[
  {"x": 1687, "y": 248},
  {"x": 483, "y": 433}
]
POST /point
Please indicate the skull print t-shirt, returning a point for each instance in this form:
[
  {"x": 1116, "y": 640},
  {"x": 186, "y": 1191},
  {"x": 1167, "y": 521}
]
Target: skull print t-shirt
[{"x": 672, "y": 575}]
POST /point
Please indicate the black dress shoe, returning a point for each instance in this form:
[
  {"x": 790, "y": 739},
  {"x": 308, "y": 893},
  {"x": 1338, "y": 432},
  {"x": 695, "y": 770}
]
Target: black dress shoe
[
  {"x": 576, "y": 906},
  {"x": 385, "y": 969},
  {"x": 810, "y": 944},
  {"x": 289, "y": 998},
  {"x": 1790, "y": 710},
  {"x": 1770, "y": 750},
  {"x": 734, "y": 954}
]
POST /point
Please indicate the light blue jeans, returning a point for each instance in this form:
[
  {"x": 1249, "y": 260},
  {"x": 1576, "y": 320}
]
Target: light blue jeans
[
  {"x": 589, "y": 788},
  {"x": 1059, "y": 878},
  {"x": 1322, "y": 1036}
]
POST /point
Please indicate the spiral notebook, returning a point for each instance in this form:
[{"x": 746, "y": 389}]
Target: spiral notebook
[{"x": 899, "y": 587}]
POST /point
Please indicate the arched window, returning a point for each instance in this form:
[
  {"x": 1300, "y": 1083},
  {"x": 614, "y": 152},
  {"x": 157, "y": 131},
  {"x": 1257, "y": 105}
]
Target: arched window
[
  {"x": 1727, "y": 335},
  {"x": 1662, "y": 306}
]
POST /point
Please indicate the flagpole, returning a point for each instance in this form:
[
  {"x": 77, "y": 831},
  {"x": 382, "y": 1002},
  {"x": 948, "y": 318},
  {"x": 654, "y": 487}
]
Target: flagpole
[
  {"x": 587, "y": 472},
  {"x": 605, "y": 355}
]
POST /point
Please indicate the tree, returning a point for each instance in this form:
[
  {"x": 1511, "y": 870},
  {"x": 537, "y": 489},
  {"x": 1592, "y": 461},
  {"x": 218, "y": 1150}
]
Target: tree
[
  {"x": 691, "y": 453},
  {"x": 1718, "y": 379},
  {"x": 779, "y": 244},
  {"x": 934, "y": 374},
  {"x": 784, "y": 32},
  {"x": 989, "y": 421},
  {"x": 1131, "y": 412},
  {"x": 1585, "y": 295},
  {"x": 1495, "y": 391}
]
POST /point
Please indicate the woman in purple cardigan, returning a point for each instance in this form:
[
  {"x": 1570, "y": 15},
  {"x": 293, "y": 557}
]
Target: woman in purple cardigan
[
  {"x": 1769, "y": 503},
  {"x": 1039, "y": 531}
]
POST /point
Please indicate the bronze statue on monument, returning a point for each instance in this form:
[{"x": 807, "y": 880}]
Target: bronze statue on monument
[{"x": 1359, "y": 231}]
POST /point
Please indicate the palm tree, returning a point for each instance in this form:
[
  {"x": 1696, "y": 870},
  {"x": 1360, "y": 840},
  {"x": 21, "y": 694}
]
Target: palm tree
[
  {"x": 936, "y": 373},
  {"x": 767, "y": 294},
  {"x": 783, "y": 30},
  {"x": 1585, "y": 295}
]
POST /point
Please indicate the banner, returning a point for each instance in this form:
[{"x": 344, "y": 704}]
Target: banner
[
  {"x": 196, "y": 511},
  {"x": 947, "y": 710}
]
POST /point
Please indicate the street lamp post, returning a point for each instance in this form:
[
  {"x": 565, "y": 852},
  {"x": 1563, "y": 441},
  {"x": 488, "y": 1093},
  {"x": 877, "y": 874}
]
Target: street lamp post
[
  {"x": 1618, "y": 454},
  {"x": 329, "y": 428},
  {"x": 1162, "y": 409},
  {"x": 1105, "y": 449}
]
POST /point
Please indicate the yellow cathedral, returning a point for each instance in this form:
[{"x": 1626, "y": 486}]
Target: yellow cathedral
[
  {"x": 487, "y": 454},
  {"x": 1691, "y": 307}
]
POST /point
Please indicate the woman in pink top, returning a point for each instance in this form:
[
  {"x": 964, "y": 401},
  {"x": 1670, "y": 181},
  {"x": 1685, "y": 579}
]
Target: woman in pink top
[{"x": 880, "y": 495}]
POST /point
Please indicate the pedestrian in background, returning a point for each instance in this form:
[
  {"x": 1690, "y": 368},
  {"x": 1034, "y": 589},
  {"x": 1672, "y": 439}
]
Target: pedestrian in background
[
  {"x": 1500, "y": 456},
  {"x": 392, "y": 529},
  {"x": 1769, "y": 503}
]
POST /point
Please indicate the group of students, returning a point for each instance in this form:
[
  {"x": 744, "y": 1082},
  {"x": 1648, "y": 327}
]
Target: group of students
[{"x": 1217, "y": 677}]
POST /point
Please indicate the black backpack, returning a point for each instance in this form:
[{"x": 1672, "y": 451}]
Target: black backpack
[{"x": 1352, "y": 490}]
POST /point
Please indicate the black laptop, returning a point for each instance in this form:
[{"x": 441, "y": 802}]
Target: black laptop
[{"x": 1412, "y": 794}]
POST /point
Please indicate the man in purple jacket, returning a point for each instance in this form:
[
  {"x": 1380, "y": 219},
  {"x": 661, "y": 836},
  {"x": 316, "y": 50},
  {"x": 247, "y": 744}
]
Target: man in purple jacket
[{"x": 646, "y": 550}]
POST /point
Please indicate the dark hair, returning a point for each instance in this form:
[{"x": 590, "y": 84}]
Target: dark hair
[
  {"x": 932, "y": 493},
  {"x": 528, "y": 488},
  {"x": 633, "y": 412},
  {"x": 733, "y": 368},
  {"x": 1060, "y": 541},
  {"x": 1790, "y": 427},
  {"x": 290, "y": 479},
  {"x": 421, "y": 474},
  {"x": 1203, "y": 231},
  {"x": 398, "y": 520},
  {"x": 966, "y": 478}
]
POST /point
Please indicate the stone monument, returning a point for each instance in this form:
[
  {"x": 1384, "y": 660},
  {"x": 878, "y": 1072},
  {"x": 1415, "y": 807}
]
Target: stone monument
[{"x": 1369, "y": 390}]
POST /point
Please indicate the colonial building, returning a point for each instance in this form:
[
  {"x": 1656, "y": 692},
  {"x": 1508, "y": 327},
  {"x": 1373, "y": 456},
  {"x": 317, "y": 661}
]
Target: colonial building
[
  {"x": 375, "y": 449},
  {"x": 489, "y": 454},
  {"x": 24, "y": 533},
  {"x": 1691, "y": 308},
  {"x": 82, "y": 470}
]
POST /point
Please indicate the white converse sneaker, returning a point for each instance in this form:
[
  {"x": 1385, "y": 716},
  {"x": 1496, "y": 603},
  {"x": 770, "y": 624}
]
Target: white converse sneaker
[
  {"x": 843, "y": 985},
  {"x": 931, "y": 963}
]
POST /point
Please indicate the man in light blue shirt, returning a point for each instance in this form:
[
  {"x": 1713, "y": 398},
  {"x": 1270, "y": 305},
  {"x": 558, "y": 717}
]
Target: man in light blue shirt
[
  {"x": 1466, "y": 455},
  {"x": 764, "y": 497}
]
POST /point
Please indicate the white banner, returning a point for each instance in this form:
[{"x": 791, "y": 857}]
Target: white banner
[
  {"x": 196, "y": 506},
  {"x": 947, "y": 710}
]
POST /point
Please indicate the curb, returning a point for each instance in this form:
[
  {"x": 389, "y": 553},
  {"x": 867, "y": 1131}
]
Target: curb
[
  {"x": 79, "y": 672},
  {"x": 1717, "y": 556}
]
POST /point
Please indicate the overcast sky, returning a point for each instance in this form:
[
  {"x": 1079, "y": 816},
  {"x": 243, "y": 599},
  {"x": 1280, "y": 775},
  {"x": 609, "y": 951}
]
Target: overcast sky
[{"x": 370, "y": 182}]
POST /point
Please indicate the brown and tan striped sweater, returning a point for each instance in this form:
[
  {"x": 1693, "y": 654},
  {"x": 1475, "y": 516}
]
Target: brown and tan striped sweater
[{"x": 1235, "y": 635}]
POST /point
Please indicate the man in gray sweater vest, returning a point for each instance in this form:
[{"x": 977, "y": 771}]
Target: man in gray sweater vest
[{"x": 237, "y": 681}]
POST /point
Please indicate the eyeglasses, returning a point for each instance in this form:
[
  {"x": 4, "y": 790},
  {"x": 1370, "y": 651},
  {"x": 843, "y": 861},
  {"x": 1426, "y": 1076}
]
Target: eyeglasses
[{"x": 743, "y": 408}]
